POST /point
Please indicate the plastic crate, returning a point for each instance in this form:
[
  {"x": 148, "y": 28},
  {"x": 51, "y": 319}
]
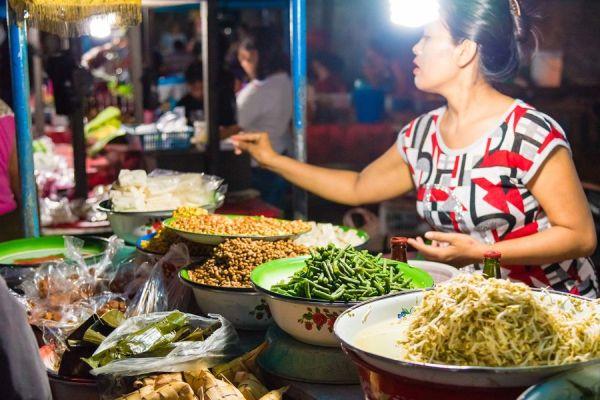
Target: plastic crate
[{"x": 160, "y": 141}]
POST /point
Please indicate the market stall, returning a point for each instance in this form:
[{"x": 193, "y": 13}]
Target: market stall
[{"x": 191, "y": 300}]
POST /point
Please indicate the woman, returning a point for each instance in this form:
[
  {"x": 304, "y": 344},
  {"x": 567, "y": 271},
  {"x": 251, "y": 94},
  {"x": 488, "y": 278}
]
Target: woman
[
  {"x": 491, "y": 172},
  {"x": 9, "y": 176},
  {"x": 265, "y": 105}
]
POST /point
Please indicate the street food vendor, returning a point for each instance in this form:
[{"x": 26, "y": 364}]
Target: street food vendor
[{"x": 490, "y": 172}]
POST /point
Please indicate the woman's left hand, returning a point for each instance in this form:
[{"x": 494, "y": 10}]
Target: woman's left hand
[{"x": 457, "y": 249}]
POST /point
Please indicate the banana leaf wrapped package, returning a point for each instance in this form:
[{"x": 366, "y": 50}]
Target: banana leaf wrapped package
[{"x": 166, "y": 342}]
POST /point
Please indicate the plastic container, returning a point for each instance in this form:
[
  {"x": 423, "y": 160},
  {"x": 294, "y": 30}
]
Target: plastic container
[
  {"x": 157, "y": 141},
  {"x": 369, "y": 103}
]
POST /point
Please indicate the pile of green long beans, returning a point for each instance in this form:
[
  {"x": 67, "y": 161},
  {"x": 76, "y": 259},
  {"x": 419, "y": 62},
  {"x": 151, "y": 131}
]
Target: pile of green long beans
[{"x": 347, "y": 274}]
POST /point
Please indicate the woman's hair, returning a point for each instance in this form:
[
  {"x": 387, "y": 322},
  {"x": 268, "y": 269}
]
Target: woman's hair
[
  {"x": 267, "y": 44},
  {"x": 502, "y": 29}
]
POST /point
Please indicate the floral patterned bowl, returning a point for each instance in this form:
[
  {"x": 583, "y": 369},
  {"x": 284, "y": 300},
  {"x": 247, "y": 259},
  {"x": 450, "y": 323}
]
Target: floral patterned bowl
[
  {"x": 309, "y": 321},
  {"x": 244, "y": 308}
]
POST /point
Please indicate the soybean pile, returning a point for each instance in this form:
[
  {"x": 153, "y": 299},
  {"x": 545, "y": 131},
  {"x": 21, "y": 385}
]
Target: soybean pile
[{"x": 347, "y": 274}]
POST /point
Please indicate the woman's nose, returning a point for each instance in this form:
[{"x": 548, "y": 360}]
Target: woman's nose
[{"x": 417, "y": 48}]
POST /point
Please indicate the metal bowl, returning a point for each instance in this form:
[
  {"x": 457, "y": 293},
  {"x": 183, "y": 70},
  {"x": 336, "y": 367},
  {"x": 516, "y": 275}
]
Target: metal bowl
[
  {"x": 357, "y": 318},
  {"x": 15, "y": 274},
  {"x": 65, "y": 388},
  {"x": 216, "y": 239},
  {"x": 243, "y": 307},
  {"x": 308, "y": 320},
  {"x": 131, "y": 225}
]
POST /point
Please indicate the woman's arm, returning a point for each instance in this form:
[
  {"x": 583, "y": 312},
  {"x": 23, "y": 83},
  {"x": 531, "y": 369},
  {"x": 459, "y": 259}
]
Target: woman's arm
[
  {"x": 385, "y": 178},
  {"x": 572, "y": 234}
]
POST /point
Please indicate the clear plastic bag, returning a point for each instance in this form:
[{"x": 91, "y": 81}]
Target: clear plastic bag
[
  {"x": 61, "y": 295},
  {"x": 163, "y": 291},
  {"x": 220, "y": 346},
  {"x": 185, "y": 186},
  {"x": 164, "y": 189}
]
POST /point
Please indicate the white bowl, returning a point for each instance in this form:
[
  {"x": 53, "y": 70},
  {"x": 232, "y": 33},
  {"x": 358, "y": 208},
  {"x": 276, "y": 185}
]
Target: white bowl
[
  {"x": 130, "y": 226},
  {"x": 349, "y": 325},
  {"x": 438, "y": 271},
  {"x": 307, "y": 321},
  {"x": 243, "y": 307}
]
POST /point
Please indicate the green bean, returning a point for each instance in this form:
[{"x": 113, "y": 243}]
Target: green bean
[
  {"x": 344, "y": 274},
  {"x": 323, "y": 295}
]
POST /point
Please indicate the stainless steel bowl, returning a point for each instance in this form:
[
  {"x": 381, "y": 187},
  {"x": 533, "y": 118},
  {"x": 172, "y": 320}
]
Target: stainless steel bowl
[{"x": 131, "y": 225}]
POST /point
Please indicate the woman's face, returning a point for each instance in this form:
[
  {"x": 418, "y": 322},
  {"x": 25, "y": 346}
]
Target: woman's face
[
  {"x": 435, "y": 61},
  {"x": 248, "y": 60}
]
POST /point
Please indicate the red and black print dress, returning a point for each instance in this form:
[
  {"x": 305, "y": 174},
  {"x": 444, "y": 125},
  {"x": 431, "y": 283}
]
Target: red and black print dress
[{"x": 481, "y": 190}]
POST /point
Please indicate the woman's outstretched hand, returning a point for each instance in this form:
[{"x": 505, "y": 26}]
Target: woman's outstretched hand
[
  {"x": 456, "y": 249},
  {"x": 257, "y": 145}
]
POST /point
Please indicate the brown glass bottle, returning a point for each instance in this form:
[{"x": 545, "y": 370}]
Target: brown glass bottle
[
  {"x": 491, "y": 265},
  {"x": 398, "y": 245}
]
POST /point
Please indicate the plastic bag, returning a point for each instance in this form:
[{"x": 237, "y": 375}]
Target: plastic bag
[
  {"x": 61, "y": 295},
  {"x": 185, "y": 186},
  {"x": 163, "y": 290},
  {"x": 163, "y": 189},
  {"x": 220, "y": 346}
]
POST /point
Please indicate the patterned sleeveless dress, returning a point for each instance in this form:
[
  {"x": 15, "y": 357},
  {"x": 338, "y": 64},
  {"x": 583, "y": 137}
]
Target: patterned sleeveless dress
[{"x": 481, "y": 190}]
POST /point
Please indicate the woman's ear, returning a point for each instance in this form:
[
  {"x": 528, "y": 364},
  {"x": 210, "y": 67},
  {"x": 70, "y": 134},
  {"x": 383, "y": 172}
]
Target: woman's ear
[{"x": 465, "y": 53}]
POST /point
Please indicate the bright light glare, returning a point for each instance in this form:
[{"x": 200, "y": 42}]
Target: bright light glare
[
  {"x": 414, "y": 13},
  {"x": 101, "y": 26}
]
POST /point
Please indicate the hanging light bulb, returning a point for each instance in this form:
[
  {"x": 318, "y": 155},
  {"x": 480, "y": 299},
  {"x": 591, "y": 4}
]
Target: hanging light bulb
[
  {"x": 414, "y": 13},
  {"x": 101, "y": 26}
]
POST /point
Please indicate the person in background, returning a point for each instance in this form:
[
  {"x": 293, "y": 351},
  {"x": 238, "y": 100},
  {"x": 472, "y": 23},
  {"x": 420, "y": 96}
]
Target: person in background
[
  {"x": 377, "y": 68},
  {"x": 491, "y": 172},
  {"x": 9, "y": 176},
  {"x": 178, "y": 60},
  {"x": 22, "y": 373},
  {"x": 326, "y": 70},
  {"x": 193, "y": 101},
  {"x": 265, "y": 104},
  {"x": 168, "y": 38}
]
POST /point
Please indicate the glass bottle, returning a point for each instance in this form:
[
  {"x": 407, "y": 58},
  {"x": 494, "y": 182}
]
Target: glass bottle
[
  {"x": 398, "y": 245},
  {"x": 491, "y": 264}
]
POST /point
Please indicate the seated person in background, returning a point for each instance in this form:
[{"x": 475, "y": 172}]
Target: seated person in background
[
  {"x": 193, "y": 101},
  {"x": 177, "y": 61}
]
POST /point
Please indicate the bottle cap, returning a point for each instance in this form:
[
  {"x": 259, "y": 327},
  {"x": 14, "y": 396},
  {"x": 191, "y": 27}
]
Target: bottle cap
[
  {"x": 399, "y": 240},
  {"x": 495, "y": 255}
]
